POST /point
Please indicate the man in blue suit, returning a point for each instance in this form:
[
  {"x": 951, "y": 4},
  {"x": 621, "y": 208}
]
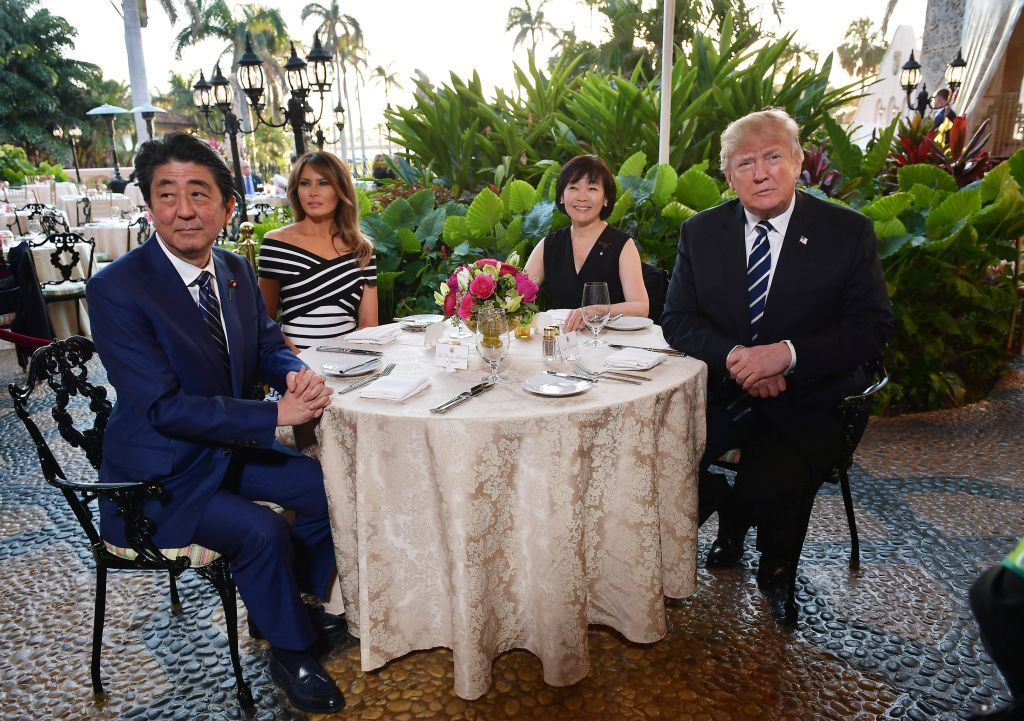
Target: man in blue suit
[
  {"x": 183, "y": 334},
  {"x": 782, "y": 295}
]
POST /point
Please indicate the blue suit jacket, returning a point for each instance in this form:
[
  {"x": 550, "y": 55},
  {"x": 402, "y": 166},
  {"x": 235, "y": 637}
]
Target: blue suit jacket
[{"x": 179, "y": 414}]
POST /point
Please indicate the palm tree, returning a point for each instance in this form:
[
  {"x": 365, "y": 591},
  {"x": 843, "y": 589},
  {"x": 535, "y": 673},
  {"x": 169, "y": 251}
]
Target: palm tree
[
  {"x": 343, "y": 37},
  {"x": 861, "y": 55},
  {"x": 265, "y": 27},
  {"x": 530, "y": 23},
  {"x": 389, "y": 79}
]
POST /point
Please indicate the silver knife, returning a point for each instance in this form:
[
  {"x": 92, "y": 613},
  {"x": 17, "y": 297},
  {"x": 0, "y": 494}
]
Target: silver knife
[
  {"x": 331, "y": 368},
  {"x": 462, "y": 398},
  {"x": 574, "y": 377},
  {"x": 668, "y": 351},
  {"x": 354, "y": 351}
]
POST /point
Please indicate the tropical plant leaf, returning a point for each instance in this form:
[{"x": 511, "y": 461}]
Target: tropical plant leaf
[
  {"x": 634, "y": 165},
  {"x": 665, "y": 181},
  {"x": 399, "y": 214},
  {"x": 927, "y": 175},
  {"x": 513, "y": 235},
  {"x": 1003, "y": 219},
  {"x": 957, "y": 206},
  {"x": 381, "y": 233},
  {"x": 675, "y": 212},
  {"x": 364, "y": 202},
  {"x": 992, "y": 183},
  {"x": 1016, "y": 163},
  {"x": 696, "y": 189},
  {"x": 422, "y": 202},
  {"x": 431, "y": 227},
  {"x": 456, "y": 231},
  {"x": 407, "y": 241},
  {"x": 521, "y": 196},
  {"x": 888, "y": 207},
  {"x": 537, "y": 221},
  {"x": 891, "y": 245},
  {"x": 484, "y": 212},
  {"x": 874, "y": 159},
  {"x": 925, "y": 197},
  {"x": 845, "y": 153},
  {"x": 890, "y": 228},
  {"x": 623, "y": 203}
]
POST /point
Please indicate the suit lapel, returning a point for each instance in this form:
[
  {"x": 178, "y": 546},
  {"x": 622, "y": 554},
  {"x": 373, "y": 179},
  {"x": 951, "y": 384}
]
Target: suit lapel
[
  {"x": 226, "y": 287},
  {"x": 735, "y": 270},
  {"x": 786, "y": 279}
]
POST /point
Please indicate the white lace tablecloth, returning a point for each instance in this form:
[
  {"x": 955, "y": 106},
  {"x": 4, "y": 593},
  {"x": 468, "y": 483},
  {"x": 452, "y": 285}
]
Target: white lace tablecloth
[
  {"x": 514, "y": 521},
  {"x": 111, "y": 237},
  {"x": 69, "y": 317}
]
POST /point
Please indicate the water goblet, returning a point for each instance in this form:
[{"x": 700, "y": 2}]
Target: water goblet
[
  {"x": 492, "y": 340},
  {"x": 596, "y": 308}
]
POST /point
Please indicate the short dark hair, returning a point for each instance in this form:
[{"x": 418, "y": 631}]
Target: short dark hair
[
  {"x": 595, "y": 170},
  {"x": 944, "y": 92},
  {"x": 183, "y": 148}
]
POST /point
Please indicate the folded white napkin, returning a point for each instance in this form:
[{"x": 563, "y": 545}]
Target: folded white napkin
[
  {"x": 558, "y": 315},
  {"x": 395, "y": 388},
  {"x": 634, "y": 359},
  {"x": 378, "y": 335}
]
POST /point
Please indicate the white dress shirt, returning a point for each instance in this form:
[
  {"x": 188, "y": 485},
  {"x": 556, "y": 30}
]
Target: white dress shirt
[{"x": 190, "y": 274}]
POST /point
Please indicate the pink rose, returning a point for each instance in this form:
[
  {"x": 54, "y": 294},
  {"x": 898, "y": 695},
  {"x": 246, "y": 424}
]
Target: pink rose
[
  {"x": 449, "y": 304},
  {"x": 482, "y": 286},
  {"x": 466, "y": 306},
  {"x": 453, "y": 282},
  {"x": 526, "y": 288},
  {"x": 487, "y": 261},
  {"x": 508, "y": 269}
]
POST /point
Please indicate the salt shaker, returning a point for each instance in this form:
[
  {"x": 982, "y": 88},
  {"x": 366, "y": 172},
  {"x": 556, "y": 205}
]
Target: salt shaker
[{"x": 549, "y": 348}]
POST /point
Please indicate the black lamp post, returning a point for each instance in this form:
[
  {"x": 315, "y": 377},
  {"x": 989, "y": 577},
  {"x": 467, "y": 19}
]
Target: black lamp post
[
  {"x": 218, "y": 92},
  {"x": 910, "y": 77},
  {"x": 339, "y": 123},
  {"x": 74, "y": 133},
  {"x": 107, "y": 112},
  {"x": 315, "y": 73}
]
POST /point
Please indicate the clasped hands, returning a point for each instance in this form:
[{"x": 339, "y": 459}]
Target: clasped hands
[
  {"x": 305, "y": 399},
  {"x": 759, "y": 369}
]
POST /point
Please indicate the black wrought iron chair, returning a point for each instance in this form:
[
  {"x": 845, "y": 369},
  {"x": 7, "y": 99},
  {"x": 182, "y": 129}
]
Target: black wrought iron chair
[
  {"x": 49, "y": 219},
  {"x": 138, "y": 230},
  {"x": 64, "y": 253},
  {"x": 263, "y": 211},
  {"x": 62, "y": 366},
  {"x": 854, "y": 410},
  {"x": 83, "y": 211}
]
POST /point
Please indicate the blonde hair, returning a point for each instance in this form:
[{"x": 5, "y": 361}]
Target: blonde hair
[
  {"x": 346, "y": 215},
  {"x": 770, "y": 124}
]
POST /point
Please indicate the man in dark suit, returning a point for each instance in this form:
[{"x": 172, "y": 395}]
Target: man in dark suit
[
  {"x": 782, "y": 295},
  {"x": 250, "y": 180},
  {"x": 942, "y": 107},
  {"x": 182, "y": 332}
]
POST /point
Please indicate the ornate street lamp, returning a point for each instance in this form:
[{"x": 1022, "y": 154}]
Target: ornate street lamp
[
  {"x": 107, "y": 112},
  {"x": 910, "y": 78},
  {"x": 74, "y": 134},
  {"x": 339, "y": 123},
  {"x": 148, "y": 111}
]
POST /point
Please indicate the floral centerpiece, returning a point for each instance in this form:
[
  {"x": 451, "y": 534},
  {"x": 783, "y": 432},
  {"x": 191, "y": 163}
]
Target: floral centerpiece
[{"x": 488, "y": 282}]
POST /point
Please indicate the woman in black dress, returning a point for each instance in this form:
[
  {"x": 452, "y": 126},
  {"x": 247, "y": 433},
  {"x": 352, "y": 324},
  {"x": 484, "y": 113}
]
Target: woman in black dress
[{"x": 588, "y": 250}]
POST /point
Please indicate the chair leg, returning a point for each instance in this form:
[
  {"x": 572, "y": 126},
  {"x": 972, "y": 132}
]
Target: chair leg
[
  {"x": 844, "y": 483},
  {"x": 219, "y": 574},
  {"x": 97, "y": 627},
  {"x": 175, "y": 600}
]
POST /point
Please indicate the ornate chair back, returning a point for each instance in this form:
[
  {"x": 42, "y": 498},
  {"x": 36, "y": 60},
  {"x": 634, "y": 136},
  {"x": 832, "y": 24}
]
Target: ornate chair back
[
  {"x": 138, "y": 230},
  {"x": 49, "y": 219}
]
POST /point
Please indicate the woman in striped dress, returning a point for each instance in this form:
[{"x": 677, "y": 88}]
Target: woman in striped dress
[{"x": 320, "y": 271}]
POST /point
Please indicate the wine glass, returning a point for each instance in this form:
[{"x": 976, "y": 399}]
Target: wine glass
[
  {"x": 492, "y": 340},
  {"x": 596, "y": 307}
]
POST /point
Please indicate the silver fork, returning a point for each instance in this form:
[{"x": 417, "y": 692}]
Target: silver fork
[
  {"x": 608, "y": 376},
  {"x": 611, "y": 373},
  {"x": 367, "y": 380}
]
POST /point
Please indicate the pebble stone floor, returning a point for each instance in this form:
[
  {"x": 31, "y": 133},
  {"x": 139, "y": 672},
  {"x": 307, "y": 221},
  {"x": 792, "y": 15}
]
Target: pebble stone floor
[{"x": 939, "y": 497}]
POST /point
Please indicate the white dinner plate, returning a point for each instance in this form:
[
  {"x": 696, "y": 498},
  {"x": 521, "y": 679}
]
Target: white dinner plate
[
  {"x": 350, "y": 370},
  {"x": 630, "y": 322},
  {"x": 543, "y": 384},
  {"x": 419, "y": 321}
]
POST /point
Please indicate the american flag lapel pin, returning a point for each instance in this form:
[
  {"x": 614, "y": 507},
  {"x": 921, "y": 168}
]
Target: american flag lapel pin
[{"x": 803, "y": 240}]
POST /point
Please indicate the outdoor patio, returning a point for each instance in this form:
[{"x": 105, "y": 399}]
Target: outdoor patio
[{"x": 939, "y": 497}]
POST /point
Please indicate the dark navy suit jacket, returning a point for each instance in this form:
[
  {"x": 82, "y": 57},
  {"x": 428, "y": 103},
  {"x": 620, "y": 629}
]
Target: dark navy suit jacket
[
  {"x": 179, "y": 415},
  {"x": 828, "y": 297}
]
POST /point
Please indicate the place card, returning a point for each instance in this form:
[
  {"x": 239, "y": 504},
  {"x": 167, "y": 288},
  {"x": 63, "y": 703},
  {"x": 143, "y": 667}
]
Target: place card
[
  {"x": 568, "y": 345},
  {"x": 451, "y": 356}
]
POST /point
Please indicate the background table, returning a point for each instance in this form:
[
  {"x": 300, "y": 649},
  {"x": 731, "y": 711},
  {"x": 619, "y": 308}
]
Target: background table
[
  {"x": 111, "y": 236},
  {"x": 67, "y": 317},
  {"x": 515, "y": 520},
  {"x": 45, "y": 196},
  {"x": 102, "y": 206}
]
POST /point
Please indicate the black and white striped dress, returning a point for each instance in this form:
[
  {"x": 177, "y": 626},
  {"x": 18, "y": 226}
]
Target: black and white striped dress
[{"x": 319, "y": 296}]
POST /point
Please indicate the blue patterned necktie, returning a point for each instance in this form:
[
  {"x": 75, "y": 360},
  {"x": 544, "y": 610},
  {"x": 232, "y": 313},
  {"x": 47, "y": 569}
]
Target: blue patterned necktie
[
  {"x": 759, "y": 267},
  {"x": 210, "y": 308}
]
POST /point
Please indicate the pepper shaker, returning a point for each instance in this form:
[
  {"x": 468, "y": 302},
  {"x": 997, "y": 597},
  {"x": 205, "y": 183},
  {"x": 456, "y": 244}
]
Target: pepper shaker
[{"x": 550, "y": 348}]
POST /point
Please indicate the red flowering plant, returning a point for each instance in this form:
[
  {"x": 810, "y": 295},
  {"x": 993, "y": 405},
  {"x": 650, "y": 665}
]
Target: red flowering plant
[{"x": 488, "y": 282}]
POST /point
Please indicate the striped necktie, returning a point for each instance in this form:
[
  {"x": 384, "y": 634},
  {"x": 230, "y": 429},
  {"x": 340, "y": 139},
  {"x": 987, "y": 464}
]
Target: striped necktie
[
  {"x": 759, "y": 267},
  {"x": 210, "y": 308}
]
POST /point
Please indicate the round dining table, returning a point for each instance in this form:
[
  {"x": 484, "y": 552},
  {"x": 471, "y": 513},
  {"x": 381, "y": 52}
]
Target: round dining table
[{"x": 514, "y": 520}]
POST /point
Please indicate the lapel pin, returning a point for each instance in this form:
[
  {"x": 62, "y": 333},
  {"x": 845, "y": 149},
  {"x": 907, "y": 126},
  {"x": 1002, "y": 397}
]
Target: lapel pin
[
  {"x": 803, "y": 240},
  {"x": 232, "y": 284}
]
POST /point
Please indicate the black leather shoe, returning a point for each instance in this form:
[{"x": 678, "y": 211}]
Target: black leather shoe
[
  {"x": 776, "y": 583},
  {"x": 725, "y": 552},
  {"x": 310, "y": 688}
]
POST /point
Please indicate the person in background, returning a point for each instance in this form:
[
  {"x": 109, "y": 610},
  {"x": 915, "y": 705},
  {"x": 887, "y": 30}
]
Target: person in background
[
  {"x": 943, "y": 110},
  {"x": 782, "y": 295},
  {"x": 320, "y": 271},
  {"x": 183, "y": 335},
  {"x": 250, "y": 180},
  {"x": 589, "y": 250},
  {"x": 381, "y": 170},
  {"x": 997, "y": 600}
]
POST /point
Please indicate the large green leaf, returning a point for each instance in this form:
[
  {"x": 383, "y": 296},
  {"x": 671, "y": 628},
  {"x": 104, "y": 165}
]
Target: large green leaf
[
  {"x": 845, "y": 153},
  {"x": 696, "y": 189},
  {"x": 888, "y": 207},
  {"x": 925, "y": 197},
  {"x": 890, "y": 228},
  {"x": 537, "y": 222},
  {"x": 407, "y": 241},
  {"x": 890, "y": 246},
  {"x": 456, "y": 231},
  {"x": 664, "y": 184},
  {"x": 1003, "y": 219},
  {"x": 874, "y": 160},
  {"x": 634, "y": 165},
  {"x": 676, "y": 212},
  {"x": 399, "y": 214},
  {"x": 431, "y": 227},
  {"x": 513, "y": 235},
  {"x": 622, "y": 204},
  {"x": 381, "y": 233},
  {"x": 1016, "y": 163},
  {"x": 422, "y": 202},
  {"x": 484, "y": 212},
  {"x": 992, "y": 183},
  {"x": 364, "y": 202},
  {"x": 521, "y": 196},
  {"x": 925, "y": 174},
  {"x": 957, "y": 206}
]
